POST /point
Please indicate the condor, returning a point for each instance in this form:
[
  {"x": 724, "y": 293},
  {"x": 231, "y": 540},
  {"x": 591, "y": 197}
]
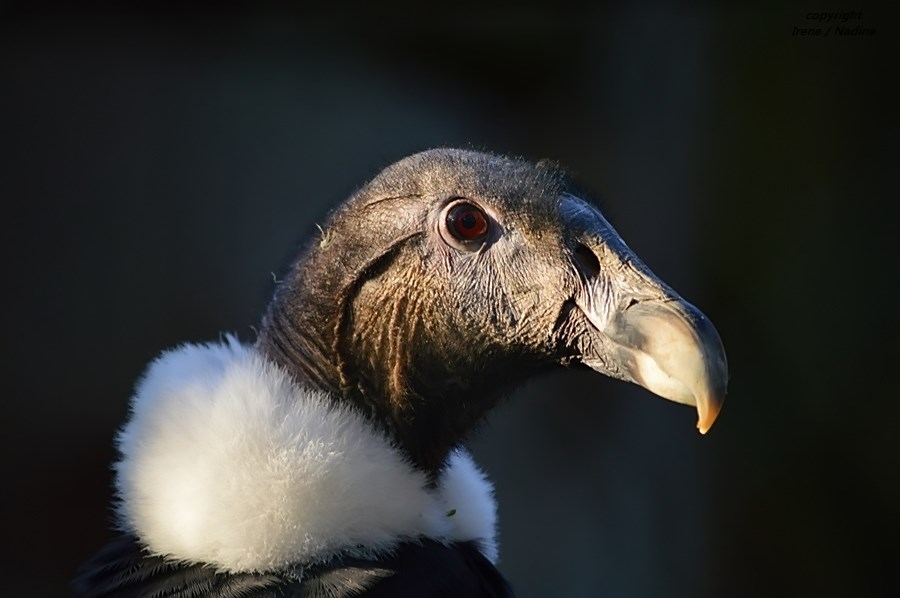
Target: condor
[{"x": 325, "y": 459}]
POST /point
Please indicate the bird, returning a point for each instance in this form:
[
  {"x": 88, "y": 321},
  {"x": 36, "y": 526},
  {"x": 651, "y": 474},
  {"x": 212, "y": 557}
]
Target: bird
[{"x": 326, "y": 458}]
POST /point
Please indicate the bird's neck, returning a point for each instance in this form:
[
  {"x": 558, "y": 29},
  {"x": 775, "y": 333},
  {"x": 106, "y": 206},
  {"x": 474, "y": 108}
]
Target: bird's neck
[
  {"x": 425, "y": 421},
  {"x": 382, "y": 345}
]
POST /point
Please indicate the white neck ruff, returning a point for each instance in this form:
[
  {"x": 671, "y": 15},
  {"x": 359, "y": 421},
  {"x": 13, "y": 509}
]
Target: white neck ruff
[{"x": 227, "y": 461}]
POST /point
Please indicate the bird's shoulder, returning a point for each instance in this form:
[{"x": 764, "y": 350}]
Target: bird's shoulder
[{"x": 427, "y": 568}]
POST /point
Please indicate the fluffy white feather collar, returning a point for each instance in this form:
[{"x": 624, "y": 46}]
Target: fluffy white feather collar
[{"x": 227, "y": 461}]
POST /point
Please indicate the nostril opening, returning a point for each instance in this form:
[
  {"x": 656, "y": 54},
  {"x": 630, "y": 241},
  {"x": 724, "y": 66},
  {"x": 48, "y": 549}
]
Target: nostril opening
[
  {"x": 586, "y": 261},
  {"x": 631, "y": 303}
]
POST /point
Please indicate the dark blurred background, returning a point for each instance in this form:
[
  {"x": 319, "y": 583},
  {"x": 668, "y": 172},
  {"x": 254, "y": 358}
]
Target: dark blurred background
[{"x": 158, "y": 168}]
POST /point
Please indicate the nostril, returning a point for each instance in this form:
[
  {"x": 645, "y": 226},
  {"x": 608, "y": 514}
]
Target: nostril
[{"x": 586, "y": 261}]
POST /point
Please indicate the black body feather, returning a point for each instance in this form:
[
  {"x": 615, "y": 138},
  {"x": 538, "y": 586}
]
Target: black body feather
[{"x": 123, "y": 569}]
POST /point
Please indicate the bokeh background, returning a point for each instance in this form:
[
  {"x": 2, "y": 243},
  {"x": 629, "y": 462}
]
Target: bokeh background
[{"x": 159, "y": 168}]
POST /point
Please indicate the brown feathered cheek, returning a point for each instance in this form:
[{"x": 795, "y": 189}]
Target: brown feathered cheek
[{"x": 464, "y": 225}]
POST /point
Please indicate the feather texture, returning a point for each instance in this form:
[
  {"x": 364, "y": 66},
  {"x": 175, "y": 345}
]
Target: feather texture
[
  {"x": 226, "y": 461},
  {"x": 423, "y": 569}
]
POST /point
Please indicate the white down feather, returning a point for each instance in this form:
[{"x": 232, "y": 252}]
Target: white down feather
[{"x": 226, "y": 461}]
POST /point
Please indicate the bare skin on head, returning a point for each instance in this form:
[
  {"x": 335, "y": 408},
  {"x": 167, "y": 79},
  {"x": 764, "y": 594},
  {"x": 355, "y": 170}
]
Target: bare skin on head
[{"x": 479, "y": 272}]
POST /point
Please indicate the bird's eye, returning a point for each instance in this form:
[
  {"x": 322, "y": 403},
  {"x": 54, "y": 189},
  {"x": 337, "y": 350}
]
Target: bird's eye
[{"x": 467, "y": 224}]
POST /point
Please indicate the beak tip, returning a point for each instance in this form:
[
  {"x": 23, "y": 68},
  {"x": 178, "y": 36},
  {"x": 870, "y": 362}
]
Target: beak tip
[{"x": 708, "y": 413}]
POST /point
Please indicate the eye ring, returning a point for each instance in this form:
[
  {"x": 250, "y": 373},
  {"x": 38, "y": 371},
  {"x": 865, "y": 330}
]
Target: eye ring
[{"x": 464, "y": 225}]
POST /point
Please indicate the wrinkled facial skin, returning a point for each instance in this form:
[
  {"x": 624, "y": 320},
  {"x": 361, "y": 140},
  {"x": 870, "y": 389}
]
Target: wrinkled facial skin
[
  {"x": 465, "y": 323},
  {"x": 392, "y": 312},
  {"x": 510, "y": 294}
]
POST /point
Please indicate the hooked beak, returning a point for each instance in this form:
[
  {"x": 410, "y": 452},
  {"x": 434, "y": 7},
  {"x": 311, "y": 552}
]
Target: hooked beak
[
  {"x": 673, "y": 350},
  {"x": 639, "y": 329}
]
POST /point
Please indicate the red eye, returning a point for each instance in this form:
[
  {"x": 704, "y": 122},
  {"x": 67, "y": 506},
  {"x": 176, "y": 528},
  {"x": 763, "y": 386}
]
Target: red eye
[{"x": 467, "y": 223}]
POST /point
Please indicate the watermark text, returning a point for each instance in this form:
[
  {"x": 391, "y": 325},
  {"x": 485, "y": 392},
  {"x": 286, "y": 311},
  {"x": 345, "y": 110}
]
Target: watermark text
[{"x": 845, "y": 23}]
